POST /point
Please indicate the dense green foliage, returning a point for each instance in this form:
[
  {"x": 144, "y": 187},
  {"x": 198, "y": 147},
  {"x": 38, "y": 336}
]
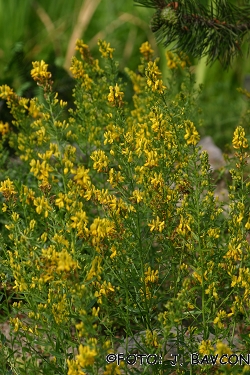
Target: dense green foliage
[{"x": 112, "y": 231}]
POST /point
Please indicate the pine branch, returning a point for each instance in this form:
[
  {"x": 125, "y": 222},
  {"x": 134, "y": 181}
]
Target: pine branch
[{"x": 217, "y": 32}]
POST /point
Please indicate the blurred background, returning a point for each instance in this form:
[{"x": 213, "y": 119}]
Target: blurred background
[{"x": 41, "y": 29}]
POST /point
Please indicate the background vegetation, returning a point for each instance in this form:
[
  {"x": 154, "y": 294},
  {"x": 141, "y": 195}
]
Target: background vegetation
[{"x": 32, "y": 30}]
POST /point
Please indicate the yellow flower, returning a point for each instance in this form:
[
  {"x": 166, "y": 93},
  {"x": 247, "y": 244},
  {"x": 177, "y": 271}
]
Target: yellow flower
[
  {"x": 137, "y": 195},
  {"x": 101, "y": 161},
  {"x": 206, "y": 347},
  {"x": 42, "y": 205},
  {"x": 157, "y": 181},
  {"x": 152, "y": 158},
  {"x": 39, "y": 71},
  {"x": 65, "y": 261},
  {"x": 222, "y": 349},
  {"x": 104, "y": 289},
  {"x": 7, "y": 188},
  {"x": 86, "y": 356},
  {"x": 80, "y": 328},
  {"x": 234, "y": 251},
  {"x": 221, "y": 315},
  {"x": 60, "y": 309},
  {"x": 80, "y": 221},
  {"x": 40, "y": 170},
  {"x": 15, "y": 216},
  {"x": 151, "y": 276},
  {"x": 115, "y": 95},
  {"x": 152, "y": 338},
  {"x": 247, "y": 225},
  {"x": 34, "y": 108},
  {"x": 112, "y": 134},
  {"x": 105, "y": 49},
  {"x": 40, "y": 136},
  {"x": 60, "y": 200},
  {"x": 77, "y": 68},
  {"x": 83, "y": 49},
  {"x": 239, "y": 139},
  {"x": 74, "y": 368},
  {"x": 82, "y": 176},
  {"x": 153, "y": 75},
  {"x": 6, "y": 92},
  {"x": 212, "y": 290},
  {"x": 157, "y": 225},
  {"x": 112, "y": 369},
  {"x": 174, "y": 61},
  {"x": 191, "y": 136},
  {"x": 28, "y": 194},
  {"x": 115, "y": 177},
  {"x": 214, "y": 232},
  {"x": 146, "y": 50},
  {"x": 184, "y": 225},
  {"x": 4, "y": 128},
  {"x": 4, "y": 208},
  {"x": 95, "y": 311},
  {"x": 233, "y": 311},
  {"x": 114, "y": 252},
  {"x": 197, "y": 276},
  {"x": 100, "y": 228},
  {"x": 16, "y": 323},
  {"x": 95, "y": 269}
]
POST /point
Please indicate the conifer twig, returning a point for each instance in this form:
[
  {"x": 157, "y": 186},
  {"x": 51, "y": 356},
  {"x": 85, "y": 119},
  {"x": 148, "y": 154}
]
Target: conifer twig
[{"x": 216, "y": 31}]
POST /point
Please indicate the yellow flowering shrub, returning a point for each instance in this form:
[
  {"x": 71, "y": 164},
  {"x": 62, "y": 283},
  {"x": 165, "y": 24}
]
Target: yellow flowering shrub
[{"x": 110, "y": 224}]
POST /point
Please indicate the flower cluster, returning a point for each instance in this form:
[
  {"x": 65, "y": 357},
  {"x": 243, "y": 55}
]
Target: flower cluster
[
  {"x": 175, "y": 61},
  {"x": 7, "y": 189},
  {"x": 147, "y": 51},
  {"x": 4, "y": 128},
  {"x": 153, "y": 75},
  {"x": 115, "y": 96},
  {"x": 41, "y": 75},
  {"x": 105, "y": 49},
  {"x": 191, "y": 136},
  {"x": 239, "y": 139},
  {"x": 6, "y": 92}
]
